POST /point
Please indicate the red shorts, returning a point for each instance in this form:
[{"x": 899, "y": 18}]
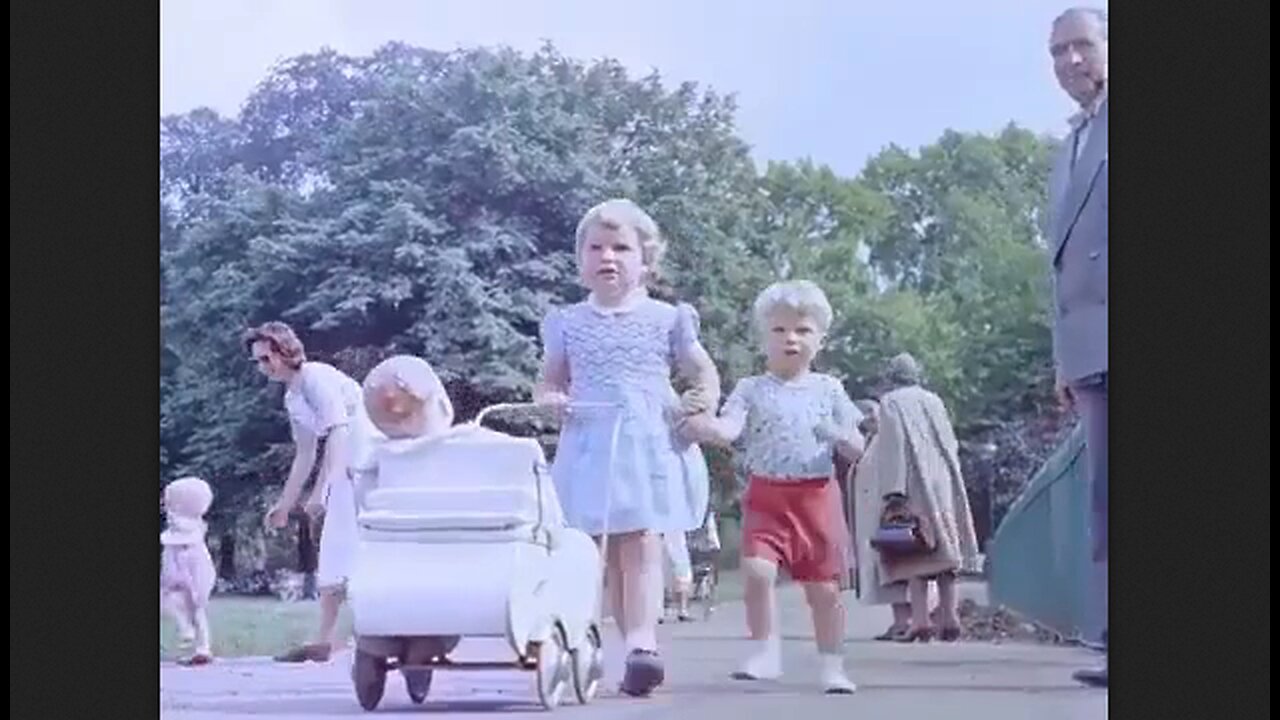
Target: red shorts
[{"x": 798, "y": 524}]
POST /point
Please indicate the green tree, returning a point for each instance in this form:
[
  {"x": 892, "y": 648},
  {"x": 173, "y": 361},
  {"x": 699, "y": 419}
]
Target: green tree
[
  {"x": 414, "y": 202},
  {"x": 425, "y": 202}
]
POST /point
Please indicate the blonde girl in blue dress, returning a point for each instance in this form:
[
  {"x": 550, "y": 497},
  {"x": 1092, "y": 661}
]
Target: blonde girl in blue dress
[{"x": 620, "y": 346}]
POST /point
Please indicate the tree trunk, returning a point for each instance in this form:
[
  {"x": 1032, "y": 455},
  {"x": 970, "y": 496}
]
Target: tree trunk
[{"x": 227, "y": 556}]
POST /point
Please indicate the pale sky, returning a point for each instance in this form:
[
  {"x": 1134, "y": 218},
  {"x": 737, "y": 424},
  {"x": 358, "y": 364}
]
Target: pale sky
[{"x": 833, "y": 80}]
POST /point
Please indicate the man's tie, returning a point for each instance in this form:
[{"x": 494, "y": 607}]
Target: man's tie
[{"x": 1075, "y": 143}]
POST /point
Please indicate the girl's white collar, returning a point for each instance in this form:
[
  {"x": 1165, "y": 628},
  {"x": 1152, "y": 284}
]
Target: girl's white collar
[{"x": 629, "y": 302}]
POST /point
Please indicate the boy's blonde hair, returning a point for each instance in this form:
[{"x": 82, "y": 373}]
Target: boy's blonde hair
[
  {"x": 799, "y": 296},
  {"x": 620, "y": 213}
]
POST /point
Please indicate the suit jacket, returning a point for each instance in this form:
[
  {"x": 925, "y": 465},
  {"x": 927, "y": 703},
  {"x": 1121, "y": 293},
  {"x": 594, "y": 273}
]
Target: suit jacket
[{"x": 1078, "y": 252}]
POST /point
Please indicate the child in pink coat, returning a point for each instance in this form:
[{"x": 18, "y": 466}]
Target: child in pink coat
[{"x": 187, "y": 574}]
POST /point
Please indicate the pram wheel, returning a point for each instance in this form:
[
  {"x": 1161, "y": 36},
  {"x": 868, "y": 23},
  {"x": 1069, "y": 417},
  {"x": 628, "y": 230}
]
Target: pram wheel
[
  {"x": 553, "y": 665},
  {"x": 418, "y": 652},
  {"x": 418, "y": 684},
  {"x": 369, "y": 675},
  {"x": 588, "y": 666}
]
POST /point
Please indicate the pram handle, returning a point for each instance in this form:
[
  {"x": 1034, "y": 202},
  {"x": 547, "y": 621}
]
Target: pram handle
[{"x": 503, "y": 407}]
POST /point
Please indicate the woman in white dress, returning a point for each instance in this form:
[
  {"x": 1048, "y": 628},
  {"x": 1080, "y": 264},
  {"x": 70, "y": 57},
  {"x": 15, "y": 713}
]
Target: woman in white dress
[{"x": 322, "y": 403}]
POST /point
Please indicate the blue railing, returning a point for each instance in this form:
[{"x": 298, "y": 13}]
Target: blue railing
[{"x": 1039, "y": 563}]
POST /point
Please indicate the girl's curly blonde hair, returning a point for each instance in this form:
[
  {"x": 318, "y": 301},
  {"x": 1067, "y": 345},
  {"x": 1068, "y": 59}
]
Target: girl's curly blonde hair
[{"x": 620, "y": 213}]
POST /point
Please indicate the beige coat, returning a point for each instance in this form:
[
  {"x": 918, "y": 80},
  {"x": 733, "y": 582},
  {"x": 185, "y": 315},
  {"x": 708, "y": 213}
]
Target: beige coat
[
  {"x": 915, "y": 453},
  {"x": 865, "y": 502}
]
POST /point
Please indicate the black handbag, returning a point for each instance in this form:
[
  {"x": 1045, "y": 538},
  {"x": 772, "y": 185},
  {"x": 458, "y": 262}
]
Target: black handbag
[
  {"x": 899, "y": 539},
  {"x": 899, "y": 532}
]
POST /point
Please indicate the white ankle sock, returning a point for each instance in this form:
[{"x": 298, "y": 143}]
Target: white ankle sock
[
  {"x": 832, "y": 674},
  {"x": 765, "y": 661}
]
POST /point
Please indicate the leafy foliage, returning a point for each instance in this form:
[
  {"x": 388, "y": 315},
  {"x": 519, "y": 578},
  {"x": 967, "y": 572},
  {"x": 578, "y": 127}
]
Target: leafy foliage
[{"x": 425, "y": 202}]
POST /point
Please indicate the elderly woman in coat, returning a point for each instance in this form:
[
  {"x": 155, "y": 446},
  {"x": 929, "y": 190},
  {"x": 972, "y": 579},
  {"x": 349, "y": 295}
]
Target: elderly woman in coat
[
  {"x": 865, "y": 501},
  {"x": 914, "y": 459}
]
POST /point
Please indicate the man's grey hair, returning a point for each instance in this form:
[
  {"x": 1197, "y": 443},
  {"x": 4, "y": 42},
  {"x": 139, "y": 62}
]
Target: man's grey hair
[{"x": 1097, "y": 13}]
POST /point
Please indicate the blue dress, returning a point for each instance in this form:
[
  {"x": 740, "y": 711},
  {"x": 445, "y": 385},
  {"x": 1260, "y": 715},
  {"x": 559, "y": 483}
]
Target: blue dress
[{"x": 625, "y": 356}]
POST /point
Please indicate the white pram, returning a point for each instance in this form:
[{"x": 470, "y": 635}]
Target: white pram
[{"x": 462, "y": 535}]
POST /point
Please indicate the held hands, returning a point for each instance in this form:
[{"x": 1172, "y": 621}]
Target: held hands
[
  {"x": 696, "y": 401},
  {"x": 697, "y": 422},
  {"x": 700, "y": 428}
]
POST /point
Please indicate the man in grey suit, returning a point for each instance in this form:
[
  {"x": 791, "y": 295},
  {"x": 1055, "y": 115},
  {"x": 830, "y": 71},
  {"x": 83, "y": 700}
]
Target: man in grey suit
[{"x": 1078, "y": 250}]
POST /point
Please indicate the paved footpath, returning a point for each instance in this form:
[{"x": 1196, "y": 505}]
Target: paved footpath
[{"x": 962, "y": 681}]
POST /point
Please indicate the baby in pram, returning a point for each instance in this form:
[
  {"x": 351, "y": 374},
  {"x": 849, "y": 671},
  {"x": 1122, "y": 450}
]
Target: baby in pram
[{"x": 461, "y": 534}]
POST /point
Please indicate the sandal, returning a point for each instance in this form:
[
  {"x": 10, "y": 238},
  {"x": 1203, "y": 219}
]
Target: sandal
[
  {"x": 892, "y": 633},
  {"x": 921, "y": 635}
]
